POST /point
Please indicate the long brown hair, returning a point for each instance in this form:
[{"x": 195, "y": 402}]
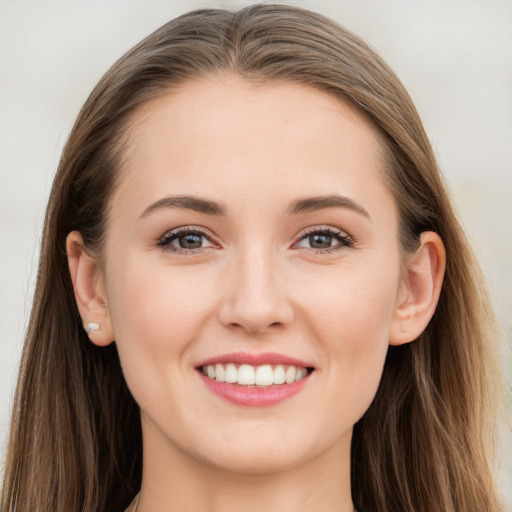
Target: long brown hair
[{"x": 425, "y": 444}]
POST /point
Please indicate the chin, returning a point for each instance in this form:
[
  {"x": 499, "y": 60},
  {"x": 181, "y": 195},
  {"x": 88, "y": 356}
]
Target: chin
[
  {"x": 260, "y": 453},
  {"x": 255, "y": 461}
]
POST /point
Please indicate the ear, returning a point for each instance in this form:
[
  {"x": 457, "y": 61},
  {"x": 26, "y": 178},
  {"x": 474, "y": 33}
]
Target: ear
[
  {"x": 89, "y": 286},
  {"x": 420, "y": 289}
]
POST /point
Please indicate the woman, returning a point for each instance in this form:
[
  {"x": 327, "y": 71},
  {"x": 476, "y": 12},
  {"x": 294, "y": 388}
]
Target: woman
[{"x": 253, "y": 291}]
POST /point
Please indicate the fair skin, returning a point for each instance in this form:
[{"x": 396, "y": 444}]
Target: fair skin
[{"x": 324, "y": 282}]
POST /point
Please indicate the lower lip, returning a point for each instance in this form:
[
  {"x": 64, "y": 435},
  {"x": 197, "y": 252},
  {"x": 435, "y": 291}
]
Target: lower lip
[{"x": 254, "y": 396}]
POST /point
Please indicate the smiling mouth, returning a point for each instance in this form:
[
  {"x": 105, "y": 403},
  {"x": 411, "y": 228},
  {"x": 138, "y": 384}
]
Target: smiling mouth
[{"x": 262, "y": 376}]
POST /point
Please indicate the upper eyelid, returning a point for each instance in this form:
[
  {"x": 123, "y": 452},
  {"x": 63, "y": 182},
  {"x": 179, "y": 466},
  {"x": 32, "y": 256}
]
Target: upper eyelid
[
  {"x": 323, "y": 228},
  {"x": 187, "y": 229}
]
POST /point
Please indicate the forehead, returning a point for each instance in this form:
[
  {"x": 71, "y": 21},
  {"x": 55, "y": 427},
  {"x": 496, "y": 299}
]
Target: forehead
[
  {"x": 220, "y": 103},
  {"x": 223, "y": 135}
]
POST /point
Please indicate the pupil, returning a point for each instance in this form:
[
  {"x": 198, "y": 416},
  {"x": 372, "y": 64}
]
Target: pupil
[
  {"x": 320, "y": 241},
  {"x": 190, "y": 241}
]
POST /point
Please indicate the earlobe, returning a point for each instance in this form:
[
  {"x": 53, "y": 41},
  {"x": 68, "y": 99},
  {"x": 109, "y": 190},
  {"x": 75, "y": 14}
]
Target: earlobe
[
  {"x": 420, "y": 290},
  {"x": 89, "y": 287}
]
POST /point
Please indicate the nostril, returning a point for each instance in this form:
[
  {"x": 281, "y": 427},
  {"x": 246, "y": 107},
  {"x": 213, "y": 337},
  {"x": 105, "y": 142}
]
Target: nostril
[{"x": 253, "y": 326}]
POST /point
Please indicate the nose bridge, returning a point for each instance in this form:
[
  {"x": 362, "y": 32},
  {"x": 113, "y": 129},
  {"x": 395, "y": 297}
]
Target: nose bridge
[{"x": 255, "y": 297}]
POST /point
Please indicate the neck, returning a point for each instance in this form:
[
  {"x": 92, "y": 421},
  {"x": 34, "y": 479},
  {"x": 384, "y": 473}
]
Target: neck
[{"x": 175, "y": 480}]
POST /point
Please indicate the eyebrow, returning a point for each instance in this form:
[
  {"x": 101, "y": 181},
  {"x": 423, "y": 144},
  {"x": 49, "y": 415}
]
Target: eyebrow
[
  {"x": 311, "y": 204},
  {"x": 305, "y": 205},
  {"x": 185, "y": 202}
]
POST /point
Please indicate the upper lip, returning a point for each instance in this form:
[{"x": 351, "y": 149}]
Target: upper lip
[{"x": 255, "y": 359}]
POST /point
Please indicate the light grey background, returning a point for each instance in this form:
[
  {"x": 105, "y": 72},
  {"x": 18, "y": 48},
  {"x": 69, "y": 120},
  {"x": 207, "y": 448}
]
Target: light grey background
[{"x": 454, "y": 56}]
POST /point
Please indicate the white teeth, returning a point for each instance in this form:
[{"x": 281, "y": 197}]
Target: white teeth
[
  {"x": 247, "y": 375},
  {"x": 301, "y": 372},
  {"x": 290, "y": 374},
  {"x": 279, "y": 375},
  {"x": 231, "y": 374},
  {"x": 264, "y": 375},
  {"x": 219, "y": 373}
]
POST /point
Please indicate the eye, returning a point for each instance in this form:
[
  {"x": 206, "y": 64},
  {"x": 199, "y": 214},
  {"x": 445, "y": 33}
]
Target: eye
[
  {"x": 185, "y": 240},
  {"x": 324, "y": 239}
]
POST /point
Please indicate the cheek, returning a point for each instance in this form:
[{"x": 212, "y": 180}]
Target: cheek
[
  {"x": 155, "y": 314},
  {"x": 354, "y": 305},
  {"x": 353, "y": 319}
]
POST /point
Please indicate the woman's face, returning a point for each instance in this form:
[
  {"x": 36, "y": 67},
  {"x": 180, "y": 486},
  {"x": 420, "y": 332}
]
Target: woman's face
[{"x": 252, "y": 230}]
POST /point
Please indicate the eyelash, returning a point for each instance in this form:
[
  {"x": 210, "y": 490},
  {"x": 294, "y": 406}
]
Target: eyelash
[
  {"x": 344, "y": 241},
  {"x": 165, "y": 241}
]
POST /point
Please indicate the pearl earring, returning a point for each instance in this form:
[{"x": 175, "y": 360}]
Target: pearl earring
[{"x": 92, "y": 327}]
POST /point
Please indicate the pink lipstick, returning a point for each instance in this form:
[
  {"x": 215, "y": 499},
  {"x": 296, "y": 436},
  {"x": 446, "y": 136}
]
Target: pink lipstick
[{"x": 255, "y": 380}]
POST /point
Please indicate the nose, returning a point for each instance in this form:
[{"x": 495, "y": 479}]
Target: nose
[{"x": 254, "y": 298}]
